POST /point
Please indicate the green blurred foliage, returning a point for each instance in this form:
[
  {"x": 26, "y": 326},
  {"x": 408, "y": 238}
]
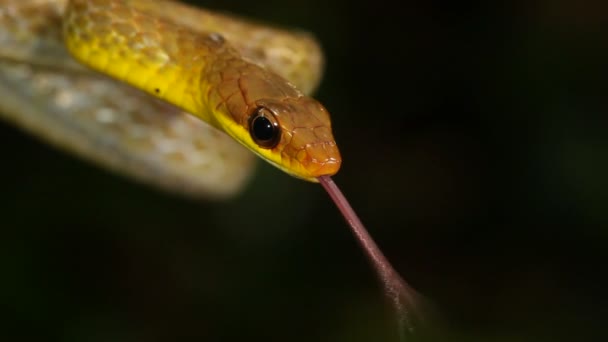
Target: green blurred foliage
[{"x": 474, "y": 144}]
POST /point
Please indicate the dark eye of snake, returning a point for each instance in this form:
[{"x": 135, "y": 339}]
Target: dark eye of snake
[{"x": 264, "y": 128}]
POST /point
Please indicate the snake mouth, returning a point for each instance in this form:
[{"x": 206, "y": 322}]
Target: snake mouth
[
  {"x": 320, "y": 159},
  {"x": 329, "y": 168},
  {"x": 309, "y": 169},
  {"x": 315, "y": 160}
]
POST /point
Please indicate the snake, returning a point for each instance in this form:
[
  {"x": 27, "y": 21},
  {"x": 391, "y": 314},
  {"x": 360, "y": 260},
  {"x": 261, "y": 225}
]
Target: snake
[
  {"x": 178, "y": 97},
  {"x": 161, "y": 91}
]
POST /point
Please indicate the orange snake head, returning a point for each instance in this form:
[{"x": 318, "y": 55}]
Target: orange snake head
[
  {"x": 291, "y": 132},
  {"x": 267, "y": 114},
  {"x": 296, "y": 134}
]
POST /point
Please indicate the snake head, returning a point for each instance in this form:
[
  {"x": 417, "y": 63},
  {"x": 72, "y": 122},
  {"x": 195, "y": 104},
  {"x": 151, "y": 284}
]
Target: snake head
[
  {"x": 292, "y": 133},
  {"x": 272, "y": 118},
  {"x": 295, "y": 135}
]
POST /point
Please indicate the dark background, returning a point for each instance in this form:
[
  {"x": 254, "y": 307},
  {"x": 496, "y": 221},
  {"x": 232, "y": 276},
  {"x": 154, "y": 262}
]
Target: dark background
[{"x": 474, "y": 144}]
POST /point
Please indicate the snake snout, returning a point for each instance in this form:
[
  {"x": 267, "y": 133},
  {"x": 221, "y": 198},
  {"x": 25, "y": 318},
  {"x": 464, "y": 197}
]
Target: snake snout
[
  {"x": 308, "y": 142},
  {"x": 324, "y": 159},
  {"x": 316, "y": 151}
]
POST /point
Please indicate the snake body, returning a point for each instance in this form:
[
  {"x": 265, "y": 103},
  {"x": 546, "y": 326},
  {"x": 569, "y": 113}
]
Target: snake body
[
  {"x": 208, "y": 67},
  {"x": 84, "y": 75}
]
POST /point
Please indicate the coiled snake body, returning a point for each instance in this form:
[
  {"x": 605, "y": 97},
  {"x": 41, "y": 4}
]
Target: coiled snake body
[
  {"x": 84, "y": 75},
  {"x": 210, "y": 68}
]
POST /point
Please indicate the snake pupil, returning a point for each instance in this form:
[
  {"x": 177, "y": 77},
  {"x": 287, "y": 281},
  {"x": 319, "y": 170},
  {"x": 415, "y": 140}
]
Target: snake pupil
[{"x": 264, "y": 128}]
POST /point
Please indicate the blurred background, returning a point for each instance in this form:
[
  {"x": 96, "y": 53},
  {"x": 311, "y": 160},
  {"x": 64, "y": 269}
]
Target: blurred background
[{"x": 474, "y": 142}]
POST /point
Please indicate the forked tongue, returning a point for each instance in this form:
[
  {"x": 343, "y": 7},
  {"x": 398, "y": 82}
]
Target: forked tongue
[{"x": 405, "y": 301}]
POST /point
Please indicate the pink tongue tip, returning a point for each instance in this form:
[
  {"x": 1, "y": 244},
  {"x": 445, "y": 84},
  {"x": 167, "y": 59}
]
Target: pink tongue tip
[{"x": 404, "y": 299}]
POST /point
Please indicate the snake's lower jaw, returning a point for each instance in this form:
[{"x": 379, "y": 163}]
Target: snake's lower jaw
[
  {"x": 327, "y": 168},
  {"x": 308, "y": 168}
]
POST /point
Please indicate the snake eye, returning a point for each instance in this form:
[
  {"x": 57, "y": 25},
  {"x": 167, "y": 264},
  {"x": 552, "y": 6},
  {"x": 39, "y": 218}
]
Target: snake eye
[{"x": 264, "y": 128}]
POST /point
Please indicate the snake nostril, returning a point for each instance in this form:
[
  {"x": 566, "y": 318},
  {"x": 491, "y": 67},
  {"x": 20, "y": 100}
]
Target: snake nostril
[{"x": 216, "y": 38}]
